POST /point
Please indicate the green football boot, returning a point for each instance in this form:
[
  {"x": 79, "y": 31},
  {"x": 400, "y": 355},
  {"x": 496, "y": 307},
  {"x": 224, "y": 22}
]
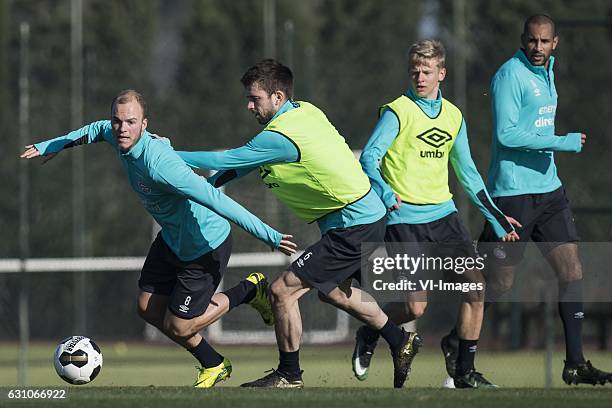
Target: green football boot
[
  {"x": 261, "y": 301},
  {"x": 208, "y": 377}
]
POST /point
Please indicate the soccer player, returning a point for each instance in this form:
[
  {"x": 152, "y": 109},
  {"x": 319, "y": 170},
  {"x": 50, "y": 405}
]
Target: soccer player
[
  {"x": 190, "y": 254},
  {"x": 406, "y": 159},
  {"x": 524, "y": 183},
  {"x": 307, "y": 164}
]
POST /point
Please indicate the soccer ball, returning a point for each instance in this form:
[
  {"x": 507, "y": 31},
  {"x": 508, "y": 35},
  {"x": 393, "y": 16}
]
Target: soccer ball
[{"x": 77, "y": 360}]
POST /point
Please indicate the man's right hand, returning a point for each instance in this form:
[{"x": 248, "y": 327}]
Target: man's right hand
[
  {"x": 32, "y": 152},
  {"x": 582, "y": 139}
]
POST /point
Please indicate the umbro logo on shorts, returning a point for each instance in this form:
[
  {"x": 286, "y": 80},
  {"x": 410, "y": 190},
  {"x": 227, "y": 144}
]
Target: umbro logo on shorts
[
  {"x": 300, "y": 261},
  {"x": 183, "y": 308}
]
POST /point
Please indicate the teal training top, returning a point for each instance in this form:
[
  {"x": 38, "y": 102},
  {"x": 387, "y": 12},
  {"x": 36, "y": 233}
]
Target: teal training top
[
  {"x": 271, "y": 147},
  {"x": 524, "y": 102},
  {"x": 189, "y": 210},
  {"x": 383, "y": 136}
]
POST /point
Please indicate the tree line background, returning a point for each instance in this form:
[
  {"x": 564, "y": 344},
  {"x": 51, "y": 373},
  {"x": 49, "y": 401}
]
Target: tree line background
[{"x": 348, "y": 58}]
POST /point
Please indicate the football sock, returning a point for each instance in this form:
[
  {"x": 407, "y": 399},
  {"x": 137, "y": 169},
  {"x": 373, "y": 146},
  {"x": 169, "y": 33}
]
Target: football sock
[
  {"x": 371, "y": 335},
  {"x": 572, "y": 315},
  {"x": 289, "y": 364},
  {"x": 453, "y": 334},
  {"x": 393, "y": 334},
  {"x": 465, "y": 358},
  {"x": 206, "y": 355},
  {"x": 243, "y": 292}
]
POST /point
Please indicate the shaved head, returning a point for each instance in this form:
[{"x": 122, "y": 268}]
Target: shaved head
[{"x": 539, "y": 19}]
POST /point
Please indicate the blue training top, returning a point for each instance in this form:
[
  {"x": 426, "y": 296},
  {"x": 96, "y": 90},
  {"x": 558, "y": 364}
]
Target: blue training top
[
  {"x": 524, "y": 102},
  {"x": 383, "y": 136},
  {"x": 268, "y": 148},
  {"x": 188, "y": 209}
]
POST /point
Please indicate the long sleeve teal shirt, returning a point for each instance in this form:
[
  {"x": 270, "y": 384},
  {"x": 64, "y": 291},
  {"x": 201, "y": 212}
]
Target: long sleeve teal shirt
[
  {"x": 190, "y": 211},
  {"x": 383, "y": 136},
  {"x": 524, "y": 103},
  {"x": 269, "y": 148}
]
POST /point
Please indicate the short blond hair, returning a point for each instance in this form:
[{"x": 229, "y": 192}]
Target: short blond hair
[
  {"x": 426, "y": 50},
  {"x": 128, "y": 95}
]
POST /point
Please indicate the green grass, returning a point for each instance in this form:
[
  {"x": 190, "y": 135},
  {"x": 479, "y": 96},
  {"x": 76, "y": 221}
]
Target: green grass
[
  {"x": 165, "y": 397},
  {"x": 160, "y": 376}
]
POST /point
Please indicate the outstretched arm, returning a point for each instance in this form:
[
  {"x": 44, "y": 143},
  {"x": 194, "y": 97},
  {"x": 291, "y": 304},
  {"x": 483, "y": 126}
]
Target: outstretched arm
[
  {"x": 461, "y": 160},
  {"x": 267, "y": 147},
  {"x": 92, "y": 133},
  {"x": 180, "y": 179}
]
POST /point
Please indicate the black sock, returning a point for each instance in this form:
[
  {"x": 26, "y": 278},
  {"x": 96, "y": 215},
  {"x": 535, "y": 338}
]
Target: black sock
[
  {"x": 572, "y": 315},
  {"x": 453, "y": 339},
  {"x": 371, "y": 335},
  {"x": 289, "y": 364},
  {"x": 393, "y": 334},
  {"x": 467, "y": 353},
  {"x": 206, "y": 355},
  {"x": 243, "y": 292}
]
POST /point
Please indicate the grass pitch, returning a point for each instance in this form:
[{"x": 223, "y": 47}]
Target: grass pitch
[
  {"x": 160, "y": 376},
  {"x": 165, "y": 397}
]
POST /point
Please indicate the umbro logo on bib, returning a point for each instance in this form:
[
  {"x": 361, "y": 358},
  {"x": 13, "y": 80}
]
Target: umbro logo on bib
[{"x": 435, "y": 137}]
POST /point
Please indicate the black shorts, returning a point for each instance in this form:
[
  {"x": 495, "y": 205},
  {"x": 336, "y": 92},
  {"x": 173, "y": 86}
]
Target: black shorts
[
  {"x": 337, "y": 256},
  {"x": 546, "y": 218},
  {"x": 447, "y": 231},
  {"x": 189, "y": 284},
  {"x": 446, "y": 237}
]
